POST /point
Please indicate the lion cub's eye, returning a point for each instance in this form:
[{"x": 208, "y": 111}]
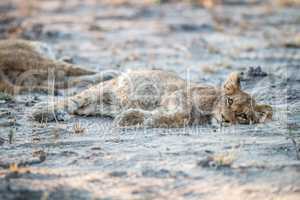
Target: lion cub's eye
[{"x": 229, "y": 101}]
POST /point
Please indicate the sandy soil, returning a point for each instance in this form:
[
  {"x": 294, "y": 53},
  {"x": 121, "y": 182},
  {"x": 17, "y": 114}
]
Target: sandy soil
[{"x": 201, "y": 162}]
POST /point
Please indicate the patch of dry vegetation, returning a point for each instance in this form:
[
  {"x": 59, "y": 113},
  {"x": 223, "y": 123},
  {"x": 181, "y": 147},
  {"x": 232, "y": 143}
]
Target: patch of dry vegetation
[
  {"x": 204, "y": 3},
  {"x": 288, "y": 3},
  {"x": 207, "y": 3},
  {"x": 13, "y": 168},
  {"x": 292, "y": 42}
]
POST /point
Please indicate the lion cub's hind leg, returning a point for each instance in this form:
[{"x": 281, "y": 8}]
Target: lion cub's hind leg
[
  {"x": 100, "y": 101},
  {"x": 132, "y": 118},
  {"x": 174, "y": 111}
]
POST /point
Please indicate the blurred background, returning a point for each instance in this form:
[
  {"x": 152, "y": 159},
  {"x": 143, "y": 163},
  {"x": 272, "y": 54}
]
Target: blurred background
[
  {"x": 200, "y": 40},
  {"x": 208, "y": 38}
]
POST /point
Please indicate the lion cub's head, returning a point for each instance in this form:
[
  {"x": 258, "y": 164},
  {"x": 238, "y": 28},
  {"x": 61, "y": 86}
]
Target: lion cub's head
[{"x": 236, "y": 106}]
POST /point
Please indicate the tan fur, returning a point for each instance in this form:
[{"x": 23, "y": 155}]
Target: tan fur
[
  {"x": 155, "y": 98},
  {"x": 26, "y": 65}
]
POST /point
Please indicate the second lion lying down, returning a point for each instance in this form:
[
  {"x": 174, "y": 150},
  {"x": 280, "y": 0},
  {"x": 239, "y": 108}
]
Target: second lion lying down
[{"x": 155, "y": 98}]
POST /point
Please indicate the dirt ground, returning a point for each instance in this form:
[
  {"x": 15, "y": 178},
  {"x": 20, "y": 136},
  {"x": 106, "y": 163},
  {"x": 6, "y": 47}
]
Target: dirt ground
[{"x": 259, "y": 38}]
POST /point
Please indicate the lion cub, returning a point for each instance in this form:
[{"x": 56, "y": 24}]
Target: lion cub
[
  {"x": 155, "y": 98},
  {"x": 27, "y": 65}
]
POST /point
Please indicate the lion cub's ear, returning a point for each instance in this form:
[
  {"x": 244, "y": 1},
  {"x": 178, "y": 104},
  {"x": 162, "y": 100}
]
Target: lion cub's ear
[{"x": 232, "y": 84}]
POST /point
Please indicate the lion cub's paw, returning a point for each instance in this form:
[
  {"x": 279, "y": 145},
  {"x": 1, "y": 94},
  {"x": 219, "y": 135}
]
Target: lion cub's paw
[{"x": 47, "y": 112}]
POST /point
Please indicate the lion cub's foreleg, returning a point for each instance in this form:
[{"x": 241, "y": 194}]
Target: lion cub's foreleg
[{"x": 97, "y": 100}]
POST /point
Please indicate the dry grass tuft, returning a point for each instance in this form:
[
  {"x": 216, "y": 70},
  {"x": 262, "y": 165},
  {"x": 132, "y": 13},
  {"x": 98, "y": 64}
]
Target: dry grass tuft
[
  {"x": 14, "y": 168},
  {"x": 292, "y": 42},
  {"x": 207, "y": 3},
  {"x": 223, "y": 160},
  {"x": 11, "y": 135},
  {"x": 77, "y": 128},
  {"x": 218, "y": 161}
]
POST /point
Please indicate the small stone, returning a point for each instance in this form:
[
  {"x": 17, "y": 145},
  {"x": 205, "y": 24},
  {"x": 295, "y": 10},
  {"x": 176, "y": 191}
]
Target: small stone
[{"x": 256, "y": 72}]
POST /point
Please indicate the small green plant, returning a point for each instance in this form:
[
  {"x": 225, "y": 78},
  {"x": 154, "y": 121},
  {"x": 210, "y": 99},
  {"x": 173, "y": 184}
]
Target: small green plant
[
  {"x": 11, "y": 135},
  {"x": 292, "y": 136},
  {"x": 5, "y": 97}
]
